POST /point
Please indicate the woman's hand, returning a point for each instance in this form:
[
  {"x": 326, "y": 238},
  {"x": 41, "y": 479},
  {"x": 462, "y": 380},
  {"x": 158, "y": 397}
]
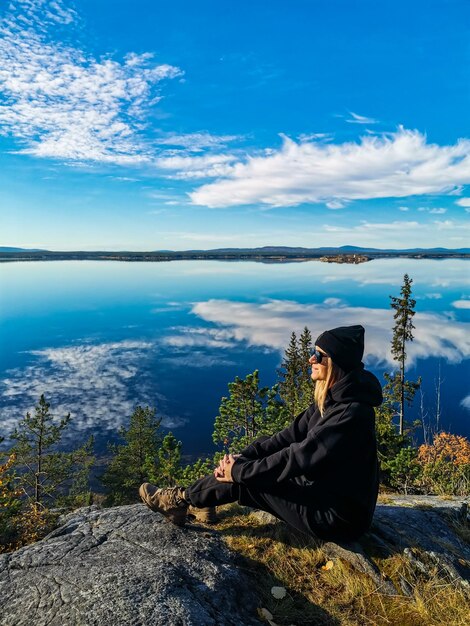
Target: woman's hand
[{"x": 223, "y": 473}]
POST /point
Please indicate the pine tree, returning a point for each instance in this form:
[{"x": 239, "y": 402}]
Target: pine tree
[
  {"x": 200, "y": 468},
  {"x": 289, "y": 378},
  {"x": 401, "y": 390},
  {"x": 295, "y": 382},
  {"x": 307, "y": 386},
  {"x": 246, "y": 413},
  {"x": 135, "y": 460},
  {"x": 79, "y": 463},
  {"x": 389, "y": 441},
  {"x": 42, "y": 469},
  {"x": 169, "y": 462}
]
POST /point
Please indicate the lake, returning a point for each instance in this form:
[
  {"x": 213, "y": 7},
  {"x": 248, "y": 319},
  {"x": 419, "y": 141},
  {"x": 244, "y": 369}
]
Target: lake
[{"x": 98, "y": 338}]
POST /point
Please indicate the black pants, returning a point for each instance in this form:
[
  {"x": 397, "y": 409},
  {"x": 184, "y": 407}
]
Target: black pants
[{"x": 298, "y": 502}]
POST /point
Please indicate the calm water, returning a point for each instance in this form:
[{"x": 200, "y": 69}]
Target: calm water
[{"x": 100, "y": 337}]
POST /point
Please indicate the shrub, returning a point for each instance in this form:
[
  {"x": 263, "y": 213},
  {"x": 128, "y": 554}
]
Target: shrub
[
  {"x": 405, "y": 470},
  {"x": 9, "y": 504},
  {"x": 446, "y": 465}
]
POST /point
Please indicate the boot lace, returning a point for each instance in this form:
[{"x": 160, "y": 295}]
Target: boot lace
[{"x": 174, "y": 494}]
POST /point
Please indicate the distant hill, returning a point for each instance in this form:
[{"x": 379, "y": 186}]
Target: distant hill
[
  {"x": 6, "y": 249},
  {"x": 324, "y": 250},
  {"x": 264, "y": 253}
]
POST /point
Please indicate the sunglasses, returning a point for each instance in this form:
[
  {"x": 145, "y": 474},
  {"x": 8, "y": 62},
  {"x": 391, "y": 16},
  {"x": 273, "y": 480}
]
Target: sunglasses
[{"x": 318, "y": 356}]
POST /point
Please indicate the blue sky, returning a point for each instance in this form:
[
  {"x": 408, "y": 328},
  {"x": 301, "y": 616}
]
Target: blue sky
[{"x": 153, "y": 125}]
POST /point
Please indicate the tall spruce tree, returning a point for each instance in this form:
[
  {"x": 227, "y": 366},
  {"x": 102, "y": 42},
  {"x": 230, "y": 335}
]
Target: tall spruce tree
[
  {"x": 307, "y": 386},
  {"x": 44, "y": 472},
  {"x": 400, "y": 390},
  {"x": 289, "y": 378},
  {"x": 295, "y": 383},
  {"x": 247, "y": 412},
  {"x": 135, "y": 460}
]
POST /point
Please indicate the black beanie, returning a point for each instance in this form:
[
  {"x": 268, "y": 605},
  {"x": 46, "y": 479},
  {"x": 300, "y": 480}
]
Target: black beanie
[{"x": 345, "y": 345}]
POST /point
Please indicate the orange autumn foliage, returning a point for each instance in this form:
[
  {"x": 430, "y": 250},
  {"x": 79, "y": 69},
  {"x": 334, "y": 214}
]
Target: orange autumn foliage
[
  {"x": 446, "y": 447},
  {"x": 445, "y": 465},
  {"x": 7, "y": 492}
]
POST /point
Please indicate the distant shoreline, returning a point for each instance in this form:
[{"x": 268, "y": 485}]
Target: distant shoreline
[{"x": 268, "y": 256}]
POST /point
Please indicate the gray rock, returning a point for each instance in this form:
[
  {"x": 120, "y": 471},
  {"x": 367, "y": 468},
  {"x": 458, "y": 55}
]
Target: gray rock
[
  {"x": 411, "y": 523},
  {"x": 125, "y": 566}
]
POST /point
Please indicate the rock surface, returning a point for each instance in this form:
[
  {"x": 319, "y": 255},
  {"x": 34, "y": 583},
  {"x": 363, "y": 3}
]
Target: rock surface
[{"x": 125, "y": 566}]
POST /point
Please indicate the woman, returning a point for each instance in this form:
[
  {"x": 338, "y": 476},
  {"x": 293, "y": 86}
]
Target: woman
[{"x": 320, "y": 474}]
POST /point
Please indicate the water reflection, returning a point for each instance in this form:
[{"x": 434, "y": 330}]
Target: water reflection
[
  {"x": 270, "y": 323},
  {"x": 98, "y": 338}
]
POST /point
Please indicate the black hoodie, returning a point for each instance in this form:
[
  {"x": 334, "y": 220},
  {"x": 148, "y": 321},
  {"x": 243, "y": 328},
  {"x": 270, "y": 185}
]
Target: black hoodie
[{"x": 337, "y": 452}]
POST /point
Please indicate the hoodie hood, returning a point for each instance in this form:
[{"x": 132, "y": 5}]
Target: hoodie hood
[{"x": 359, "y": 385}]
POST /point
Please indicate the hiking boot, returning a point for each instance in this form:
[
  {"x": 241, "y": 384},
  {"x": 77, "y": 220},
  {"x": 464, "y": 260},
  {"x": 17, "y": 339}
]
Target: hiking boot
[
  {"x": 169, "y": 501},
  {"x": 206, "y": 515}
]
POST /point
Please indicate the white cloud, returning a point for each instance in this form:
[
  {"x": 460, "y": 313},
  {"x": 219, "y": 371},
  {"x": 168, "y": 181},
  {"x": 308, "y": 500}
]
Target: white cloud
[
  {"x": 437, "y": 211},
  {"x": 396, "y": 225},
  {"x": 465, "y": 202},
  {"x": 360, "y": 119},
  {"x": 191, "y": 167},
  {"x": 401, "y": 234},
  {"x": 392, "y": 165},
  {"x": 336, "y": 204},
  {"x": 444, "y": 224},
  {"x": 403, "y": 208},
  {"x": 334, "y": 302},
  {"x": 81, "y": 379},
  {"x": 198, "y": 359},
  {"x": 196, "y": 142},
  {"x": 271, "y": 323},
  {"x": 310, "y": 136},
  {"x": 466, "y": 402},
  {"x": 62, "y": 102},
  {"x": 461, "y": 304},
  {"x": 190, "y": 337}
]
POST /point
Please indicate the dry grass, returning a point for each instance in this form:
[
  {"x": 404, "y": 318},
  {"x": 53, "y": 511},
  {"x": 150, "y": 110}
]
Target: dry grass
[
  {"x": 383, "y": 498},
  {"x": 339, "y": 595}
]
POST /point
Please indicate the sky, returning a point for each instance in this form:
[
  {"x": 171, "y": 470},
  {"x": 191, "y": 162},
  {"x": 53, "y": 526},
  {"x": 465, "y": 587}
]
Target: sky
[{"x": 150, "y": 125}]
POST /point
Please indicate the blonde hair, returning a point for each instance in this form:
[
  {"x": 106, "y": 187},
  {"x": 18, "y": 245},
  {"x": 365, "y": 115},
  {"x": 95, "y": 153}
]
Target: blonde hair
[{"x": 333, "y": 374}]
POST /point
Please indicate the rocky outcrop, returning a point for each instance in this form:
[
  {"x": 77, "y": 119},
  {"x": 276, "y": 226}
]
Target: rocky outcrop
[{"x": 125, "y": 566}]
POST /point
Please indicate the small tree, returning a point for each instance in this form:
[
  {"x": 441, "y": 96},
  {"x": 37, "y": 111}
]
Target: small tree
[
  {"x": 401, "y": 390},
  {"x": 135, "y": 460},
  {"x": 79, "y": 463},
  {"x": 42, "y": 469},
  {"x": 405, "y": 470},
  {"x": 169, "y": 462},
  {"x": 246, "y": 413},
  {"x": 389, "y": 441}
]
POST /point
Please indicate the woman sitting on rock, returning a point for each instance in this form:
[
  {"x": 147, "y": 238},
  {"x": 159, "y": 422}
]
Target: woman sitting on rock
[{"x": 320, "y": 474}]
